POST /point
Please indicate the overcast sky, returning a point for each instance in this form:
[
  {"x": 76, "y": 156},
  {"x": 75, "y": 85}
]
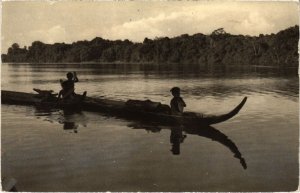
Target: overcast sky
[{"x": 69, "y": 21}]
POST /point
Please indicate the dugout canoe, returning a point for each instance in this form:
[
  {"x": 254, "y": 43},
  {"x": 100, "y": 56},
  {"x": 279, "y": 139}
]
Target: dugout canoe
[{"x": 122, "y": 109}]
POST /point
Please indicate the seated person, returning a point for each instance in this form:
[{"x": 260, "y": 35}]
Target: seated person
[
  {"x": 177, "y": 103},
  {"x": 68, "y": 86}
]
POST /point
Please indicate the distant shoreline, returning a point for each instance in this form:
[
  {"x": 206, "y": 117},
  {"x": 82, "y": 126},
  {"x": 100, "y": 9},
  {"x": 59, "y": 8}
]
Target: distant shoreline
[
  {"x": 218, "y": 48},
  {"x": 150, "y": 63},
  {"x": 80, "y": 63}
]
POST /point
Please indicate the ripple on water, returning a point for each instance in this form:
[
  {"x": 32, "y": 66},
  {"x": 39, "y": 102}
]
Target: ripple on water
[{"x": 50, "y": 150}]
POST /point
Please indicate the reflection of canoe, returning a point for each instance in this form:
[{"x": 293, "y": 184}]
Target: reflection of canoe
[
  {"x": 177, "y": 137},
  {"x": 122, "y": 109}
]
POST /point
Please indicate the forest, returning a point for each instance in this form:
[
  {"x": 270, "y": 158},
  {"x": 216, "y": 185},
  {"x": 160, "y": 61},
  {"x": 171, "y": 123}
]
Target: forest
[{"x": 217, "y": 48}]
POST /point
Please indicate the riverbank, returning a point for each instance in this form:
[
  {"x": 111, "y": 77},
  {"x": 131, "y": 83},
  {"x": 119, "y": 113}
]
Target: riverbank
[
  {"x": 150, "y": 64},
  {"x": 279, "y": 49}
]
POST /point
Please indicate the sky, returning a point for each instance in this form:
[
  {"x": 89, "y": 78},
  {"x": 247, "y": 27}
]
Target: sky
[{"x": 68, "y": 21}]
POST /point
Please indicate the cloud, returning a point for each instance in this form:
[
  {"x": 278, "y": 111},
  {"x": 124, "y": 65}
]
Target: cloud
[
  {"x": 172, "y": 24},
  {"x": 236, "y": 19},
  {"x": 254, "y": 24},
  {"x": 57, "y": 22},
  {"x": 54, "y": 34}
]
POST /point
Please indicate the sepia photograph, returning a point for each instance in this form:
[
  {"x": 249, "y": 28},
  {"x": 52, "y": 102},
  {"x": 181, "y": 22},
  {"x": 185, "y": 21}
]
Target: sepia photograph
[{"x": 149, "y": 96}]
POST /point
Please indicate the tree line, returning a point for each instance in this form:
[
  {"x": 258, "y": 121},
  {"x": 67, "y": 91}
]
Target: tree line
[{"x": 217, "y": 48}]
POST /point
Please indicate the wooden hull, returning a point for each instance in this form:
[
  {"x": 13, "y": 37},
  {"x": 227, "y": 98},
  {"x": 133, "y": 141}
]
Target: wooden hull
[{"x": 120, "y": 109}]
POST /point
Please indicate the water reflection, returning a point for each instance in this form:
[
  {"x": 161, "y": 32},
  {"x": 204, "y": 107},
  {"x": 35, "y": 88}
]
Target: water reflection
[
  {"x": 127, "y": 81},
  {"x": 70, "y": 119},
  {"x": 216, "y": 135},
  {"x": 44, "y": 111},
  {"x": 68, "y": 122},
  {"x": 177, "y": 70},
  {"x": 179, "y": 134},
  {"x": 176, "y": 138}
]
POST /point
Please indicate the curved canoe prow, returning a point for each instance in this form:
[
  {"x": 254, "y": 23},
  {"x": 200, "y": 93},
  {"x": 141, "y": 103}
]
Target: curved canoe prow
[{"x": 221, "y": 118}]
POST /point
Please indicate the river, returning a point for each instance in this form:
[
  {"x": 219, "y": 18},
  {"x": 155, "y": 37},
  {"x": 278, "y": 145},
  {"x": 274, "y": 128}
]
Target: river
[{"x": 84, "y": 151}]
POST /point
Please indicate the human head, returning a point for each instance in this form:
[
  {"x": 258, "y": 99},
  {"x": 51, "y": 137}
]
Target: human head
[
  {"x": 70, "y": 75},
  {"x": 175, "y": 91}
]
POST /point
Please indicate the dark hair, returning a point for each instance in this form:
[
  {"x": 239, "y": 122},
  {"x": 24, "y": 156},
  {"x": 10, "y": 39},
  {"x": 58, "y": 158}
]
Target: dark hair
[
  {"x": 175, "y": 90},
  {"x": 69, "y": 75}
]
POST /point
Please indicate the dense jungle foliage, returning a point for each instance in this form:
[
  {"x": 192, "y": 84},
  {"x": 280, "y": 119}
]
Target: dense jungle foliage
[{"x": 218, "y": 48}]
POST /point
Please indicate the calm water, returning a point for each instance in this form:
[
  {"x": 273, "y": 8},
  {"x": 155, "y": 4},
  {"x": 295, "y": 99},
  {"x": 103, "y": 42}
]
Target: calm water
[{"x": 60, "y": 151}]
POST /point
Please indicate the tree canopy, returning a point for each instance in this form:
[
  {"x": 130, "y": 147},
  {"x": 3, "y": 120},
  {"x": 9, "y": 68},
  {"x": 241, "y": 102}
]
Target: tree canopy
[{"x": 220, "y": 48}]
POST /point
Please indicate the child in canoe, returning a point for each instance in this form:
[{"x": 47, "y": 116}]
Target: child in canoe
[
  {"x": 68, "y": 86},
  {"x": 177, "y": 103}
]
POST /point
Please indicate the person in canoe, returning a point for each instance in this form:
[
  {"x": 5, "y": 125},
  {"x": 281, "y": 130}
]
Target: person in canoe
[
  {"x": 68, "y": 86},
  {"x": 177, "y": 103}
]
